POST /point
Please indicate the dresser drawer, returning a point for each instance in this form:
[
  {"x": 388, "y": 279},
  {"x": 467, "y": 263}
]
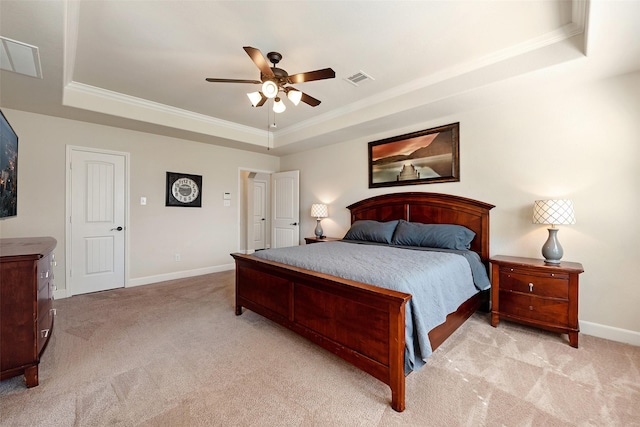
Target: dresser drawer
[
  {"x": 548, "y": 310},
  {"x": 44, "y": 323},
  {"x": 44, "y": 272},
  {"x": 545, "y": 285}
]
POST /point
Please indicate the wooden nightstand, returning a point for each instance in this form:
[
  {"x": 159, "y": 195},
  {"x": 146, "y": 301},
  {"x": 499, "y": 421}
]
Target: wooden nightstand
[
  {"x": 526, "y": 290},
  {"x": 314, "y": 239}
]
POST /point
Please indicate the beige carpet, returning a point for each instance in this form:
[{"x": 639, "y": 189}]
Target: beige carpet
[{"x": 174, "y": 354}]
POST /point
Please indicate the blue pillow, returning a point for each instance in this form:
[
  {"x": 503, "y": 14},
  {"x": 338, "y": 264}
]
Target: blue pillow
[
  {"x": 371, "y": 231},
  {"x": 444, "y": 236}
]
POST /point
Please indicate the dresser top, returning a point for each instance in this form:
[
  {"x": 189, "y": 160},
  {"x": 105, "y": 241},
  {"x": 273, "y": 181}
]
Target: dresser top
[{"x": 26, "y": 246}]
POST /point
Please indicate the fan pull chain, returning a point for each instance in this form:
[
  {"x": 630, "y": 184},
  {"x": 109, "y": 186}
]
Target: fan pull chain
[{"x": 268, "y": 131}]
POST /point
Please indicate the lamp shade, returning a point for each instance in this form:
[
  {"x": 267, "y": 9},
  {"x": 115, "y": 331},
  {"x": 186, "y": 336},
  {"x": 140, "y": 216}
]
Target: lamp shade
[
  {"x": 270, "y": 89},
  {"x": 553, "y": 212},
  {"x": 319, "y": 210},
  {"x": 294, "y": 96},
  {"x": 255, "y": 98},
  {"x": 278, "y": 106}
]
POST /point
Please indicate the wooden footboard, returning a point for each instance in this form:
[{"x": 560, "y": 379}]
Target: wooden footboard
[{"x": 362, "y": 324}]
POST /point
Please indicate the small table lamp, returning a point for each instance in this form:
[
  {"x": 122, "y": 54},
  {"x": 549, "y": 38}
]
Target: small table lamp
[
  {"x": 319, "y": 211},
  {"x": 553, "y": 212}
]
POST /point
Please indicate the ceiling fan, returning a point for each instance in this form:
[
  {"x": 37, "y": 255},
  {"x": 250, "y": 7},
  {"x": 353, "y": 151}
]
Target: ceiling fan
[{"x": 275, "y": 80}]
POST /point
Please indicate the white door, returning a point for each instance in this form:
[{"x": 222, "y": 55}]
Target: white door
[
  {"x": 285, "y": 199},
  {"x": 97, "y": 221},
  {"x": 259, "y": 216}
]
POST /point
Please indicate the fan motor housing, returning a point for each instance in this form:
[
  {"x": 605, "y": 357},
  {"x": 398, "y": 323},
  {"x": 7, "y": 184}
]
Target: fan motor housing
[{"x": 281, "y": 76}]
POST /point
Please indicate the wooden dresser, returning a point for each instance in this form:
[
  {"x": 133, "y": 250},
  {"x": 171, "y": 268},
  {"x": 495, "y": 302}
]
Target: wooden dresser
[
  {"x": 26, "y": 300},
  {"x": 528, "y": 291}
]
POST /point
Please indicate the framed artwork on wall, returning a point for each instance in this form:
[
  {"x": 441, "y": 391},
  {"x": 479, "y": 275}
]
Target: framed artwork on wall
[
  {"x": 8, "y": 169},
  {"x": 422, "y": 157},
  {"x": 184, "y": 190}
]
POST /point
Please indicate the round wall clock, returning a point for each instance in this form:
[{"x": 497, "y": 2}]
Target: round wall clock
[{"x": 184, "y": 190}]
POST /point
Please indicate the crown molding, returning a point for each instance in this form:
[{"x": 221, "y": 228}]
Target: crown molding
[{"x": 80, "y": 95}]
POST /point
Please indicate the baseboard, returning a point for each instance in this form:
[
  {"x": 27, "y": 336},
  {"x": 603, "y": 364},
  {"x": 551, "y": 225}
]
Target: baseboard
[
  {"x": 610, "y": 333},
  {"x": 139, "y": 281},
  {"x": 62, "y": 293}
]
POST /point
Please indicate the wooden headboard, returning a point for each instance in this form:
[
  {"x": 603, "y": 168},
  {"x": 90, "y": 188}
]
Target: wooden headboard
[{"x": 430, "y": 208}]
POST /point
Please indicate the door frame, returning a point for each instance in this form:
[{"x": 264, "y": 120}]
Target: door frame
[
  {"x": 243, "y": 221},
  {"x": 67, "y": 215}
]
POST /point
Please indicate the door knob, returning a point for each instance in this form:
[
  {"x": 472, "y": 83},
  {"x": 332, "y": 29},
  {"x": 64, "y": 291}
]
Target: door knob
[
  {"x": 294, "y": 223},
  {"x": 116, "y": 229}
]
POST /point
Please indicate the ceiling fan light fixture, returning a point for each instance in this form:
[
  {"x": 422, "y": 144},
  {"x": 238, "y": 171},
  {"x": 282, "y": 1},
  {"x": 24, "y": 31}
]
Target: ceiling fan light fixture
[
  {"x": 255, "y": 98},
  {"x": 270, "y": 89},
  {"x": 294, "y": 96},
  {"x": 278, "y": 106}
]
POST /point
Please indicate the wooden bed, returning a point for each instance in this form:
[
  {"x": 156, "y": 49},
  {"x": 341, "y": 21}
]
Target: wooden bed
[{"x": 361, "y": 323}]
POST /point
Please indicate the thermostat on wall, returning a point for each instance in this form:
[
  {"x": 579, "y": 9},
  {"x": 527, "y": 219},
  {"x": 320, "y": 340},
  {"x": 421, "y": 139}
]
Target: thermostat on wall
[{"x": 226, "y": 196}]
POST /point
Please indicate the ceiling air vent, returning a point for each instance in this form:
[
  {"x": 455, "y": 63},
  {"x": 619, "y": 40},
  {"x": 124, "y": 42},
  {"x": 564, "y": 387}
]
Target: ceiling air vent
[
  {"x": 358, "y": 78},
  {"x": 20, "y": 58}
]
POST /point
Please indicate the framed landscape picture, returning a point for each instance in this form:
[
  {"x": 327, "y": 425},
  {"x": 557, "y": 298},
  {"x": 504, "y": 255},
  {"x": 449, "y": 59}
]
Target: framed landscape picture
[
  {"x": 8, "y": 169},
  {"x": 423, "y": 157}
]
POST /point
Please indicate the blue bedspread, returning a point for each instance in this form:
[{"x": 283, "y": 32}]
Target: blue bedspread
[{"x": 438, "y": 281}]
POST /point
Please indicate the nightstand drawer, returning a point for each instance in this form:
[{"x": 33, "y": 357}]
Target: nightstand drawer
[
  {"x": 534, "y": 308},
  {"x": 535, "y": 284}
]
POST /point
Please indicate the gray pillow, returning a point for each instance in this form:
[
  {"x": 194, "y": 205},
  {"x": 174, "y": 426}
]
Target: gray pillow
[
  {"x": 371, "y": 231},
  {"x": 445, "y": 236}
]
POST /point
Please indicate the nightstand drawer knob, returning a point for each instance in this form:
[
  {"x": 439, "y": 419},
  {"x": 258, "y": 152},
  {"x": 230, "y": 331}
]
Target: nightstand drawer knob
[
  {"x": 531, "y": 308},
  {"x": 530, "y": 287}
]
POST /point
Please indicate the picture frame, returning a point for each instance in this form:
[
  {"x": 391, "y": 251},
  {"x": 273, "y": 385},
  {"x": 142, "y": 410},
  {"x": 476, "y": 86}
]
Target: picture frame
[
  {"x": 424, "y": 157},
  {"x": 184, "y": 190},
  {"x": 8, "y": 169}
]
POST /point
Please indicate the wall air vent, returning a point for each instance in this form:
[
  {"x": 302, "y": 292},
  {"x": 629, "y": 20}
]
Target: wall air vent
[
  {"x": 358, "y": 78},
  {"x": 20, "y": 58}
]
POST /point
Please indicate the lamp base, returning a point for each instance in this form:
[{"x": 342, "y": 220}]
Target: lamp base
[
  {"x": 318, "y": 230},
  {"x": 552, "y": 250}
]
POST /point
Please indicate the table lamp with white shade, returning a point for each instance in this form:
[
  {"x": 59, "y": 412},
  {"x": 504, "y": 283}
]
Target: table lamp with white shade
[
  {"x": 319, "y": 211},
  {"x": 553, "y": 212}
]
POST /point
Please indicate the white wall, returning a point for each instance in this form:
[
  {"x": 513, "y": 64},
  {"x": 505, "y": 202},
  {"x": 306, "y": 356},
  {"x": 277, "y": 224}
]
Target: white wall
[
  {"x": 204, "y": 237},
  {"x": 582, "y": 144}
]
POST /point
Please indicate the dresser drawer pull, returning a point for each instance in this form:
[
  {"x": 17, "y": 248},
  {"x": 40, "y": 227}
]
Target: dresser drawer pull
[
  {"x": 44, "y": 333},
  {"x": 530, "y": 287},
  {"x": 531, "y": 308}
]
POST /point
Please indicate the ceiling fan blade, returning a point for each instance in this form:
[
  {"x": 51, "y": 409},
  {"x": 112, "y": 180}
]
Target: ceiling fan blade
[
  {"x": 214, "y": 80},
  {"x": 258, "y": 58},
  {"x": 262, "y": 101},
  {"x": 310, "y": 100},
  {"x": 326, "y": 73}
]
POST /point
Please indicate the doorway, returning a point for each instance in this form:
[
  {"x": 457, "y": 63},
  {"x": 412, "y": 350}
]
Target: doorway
[
  {"x": 255, "y": 204},
  {"x": 265, "y": 215}
]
